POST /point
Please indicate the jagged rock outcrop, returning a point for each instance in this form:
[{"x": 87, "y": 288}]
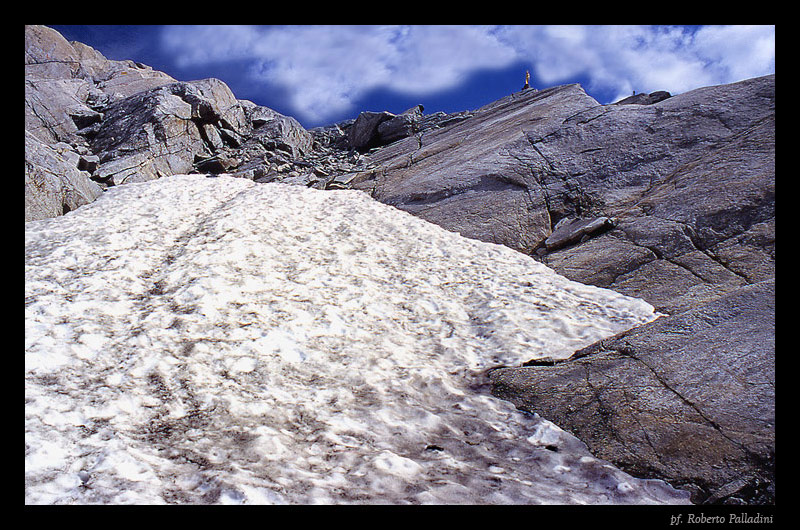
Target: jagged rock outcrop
[
  {"x": 152, "y": 134},
  {"x": 377, "y": 129},
  {"x": 689, "y": 398},
  {"x": 125, "y": 122},
  {"x": 66, "y": 83},
  {"x": 364, "y": 131}
]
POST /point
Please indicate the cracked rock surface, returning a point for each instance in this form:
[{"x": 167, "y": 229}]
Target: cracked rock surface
[{"x": 688, "y": 398}]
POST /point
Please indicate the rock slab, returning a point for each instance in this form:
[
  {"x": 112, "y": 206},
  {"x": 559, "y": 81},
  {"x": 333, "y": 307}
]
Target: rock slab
[{"x": 689, "y": 180}]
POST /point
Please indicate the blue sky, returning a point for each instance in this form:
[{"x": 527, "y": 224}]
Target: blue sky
[{"x": 324, "y": 74}]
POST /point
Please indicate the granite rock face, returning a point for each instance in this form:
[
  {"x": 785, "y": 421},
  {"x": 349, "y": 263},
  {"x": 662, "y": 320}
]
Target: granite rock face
[
  {"x": 691, "y": 181},
  {"x": 688, "y": 180},
  {"x": 466, "y": 176}
]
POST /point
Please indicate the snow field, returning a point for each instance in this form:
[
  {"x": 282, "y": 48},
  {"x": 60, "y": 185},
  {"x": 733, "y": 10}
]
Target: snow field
[{"x": 202, "y": 340}]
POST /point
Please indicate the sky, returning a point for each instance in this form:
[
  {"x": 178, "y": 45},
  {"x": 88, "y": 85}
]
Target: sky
[{"x": 325, "y": 74}]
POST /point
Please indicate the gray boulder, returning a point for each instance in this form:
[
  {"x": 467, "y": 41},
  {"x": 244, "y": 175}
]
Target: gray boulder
[
  {"x": 569, "y": 231},
  {"x": 364, "y": 132},
  {"x": 400, "y": 126},
  {"x": 227, "y": 112},
  {"x": 276, "y": 131},
  {"x": 688, "y": 398},
  {"x": 645, "y": 99}
]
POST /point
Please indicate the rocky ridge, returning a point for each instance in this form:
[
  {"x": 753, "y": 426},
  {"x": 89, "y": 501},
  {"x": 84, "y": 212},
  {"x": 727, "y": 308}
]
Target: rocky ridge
[
  {"x": 661, "y": 197},
  {"x": 114, "y": 122}
]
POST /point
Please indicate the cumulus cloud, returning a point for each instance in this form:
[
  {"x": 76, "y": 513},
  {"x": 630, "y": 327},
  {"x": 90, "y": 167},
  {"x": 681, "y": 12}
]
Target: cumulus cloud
[
  {"x": 326, "y": 69},
  {"x": 737, "y": 52}
]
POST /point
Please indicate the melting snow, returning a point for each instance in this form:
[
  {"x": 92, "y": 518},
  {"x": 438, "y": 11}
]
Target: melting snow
[{"x": 201, "y": 340}]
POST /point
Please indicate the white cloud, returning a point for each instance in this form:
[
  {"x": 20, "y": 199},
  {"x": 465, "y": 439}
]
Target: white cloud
[
  {"x": 619, "y": 59},
  {"x": 326, "y": 69},
  {"x": 737, "y": 52},
  {"x": 192, "y": 45}
]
